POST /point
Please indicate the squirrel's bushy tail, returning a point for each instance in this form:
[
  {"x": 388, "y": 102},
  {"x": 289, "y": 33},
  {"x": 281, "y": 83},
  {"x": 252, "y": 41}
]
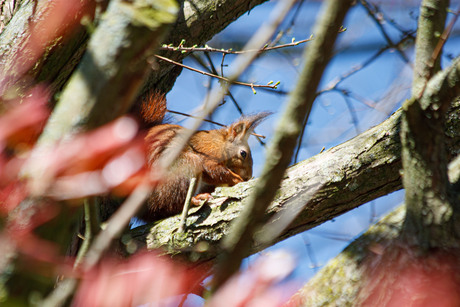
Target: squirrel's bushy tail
[{"x": 153, "y": 108}]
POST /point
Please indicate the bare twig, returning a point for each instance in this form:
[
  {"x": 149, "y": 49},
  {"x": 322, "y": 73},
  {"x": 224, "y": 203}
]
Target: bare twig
[
  {"x": 372, "y": 11},
  {"x": 191, "y": 116},
  {"x": 334, "y": 83},
  {"x": 252, "y": 85},
  {"x": 229, "y": 51},
  {"x": 92, "y": 227},
  {"x": 229, "y": 94},
  {"x": 211, "y": 121}
]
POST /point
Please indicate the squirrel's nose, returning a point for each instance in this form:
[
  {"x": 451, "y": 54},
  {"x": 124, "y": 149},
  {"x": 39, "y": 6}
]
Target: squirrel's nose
[{"x": 246, "y": 175}]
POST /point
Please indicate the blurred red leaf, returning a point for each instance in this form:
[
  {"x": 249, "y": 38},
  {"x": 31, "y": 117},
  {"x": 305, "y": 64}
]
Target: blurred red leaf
[
  {"x": 402, "y": 276},
  {"x": 23, "y": 123},
  {"x": 38, "y": 250},
  {"x": 143, "y": 278},
  {"x": 90, "y": 151},
  {"x": 130, "y": 184},
  {"x": 91, "y": 163},
  {"x": 257, "y": 286},
  {"x": 11, "y": 196},
  {"x": 114, "y": 173},
  {"x": 10, "y": 168}
]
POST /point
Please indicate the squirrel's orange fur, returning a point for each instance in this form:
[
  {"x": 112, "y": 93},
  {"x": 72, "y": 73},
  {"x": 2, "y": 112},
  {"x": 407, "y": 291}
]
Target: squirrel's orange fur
[{"x": 220, "y": 157}]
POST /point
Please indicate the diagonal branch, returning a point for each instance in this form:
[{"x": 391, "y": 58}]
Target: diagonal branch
[
  {"x": 343, "y": 178},
  {"x": 279, "y": 154}
]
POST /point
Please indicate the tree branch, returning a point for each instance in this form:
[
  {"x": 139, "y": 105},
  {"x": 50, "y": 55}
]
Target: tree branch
[
  {"x": 322, "y": 187},
  {"x": 279, "y": 154},
  {"x": 112, "y": 69},
  {"x": 252, "y": 85},
  {"x": 430, "y": 25}
]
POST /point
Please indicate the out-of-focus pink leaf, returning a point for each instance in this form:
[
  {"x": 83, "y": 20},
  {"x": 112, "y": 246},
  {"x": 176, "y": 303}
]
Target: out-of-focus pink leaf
[
  {"x": 23, "y": 123},
  {"x": 114, "y": 173},
  {"x": 9, "y": 169},
  {"x": 11, "y": 196},
  {"x": 130, "y": 184},
  {"x": 38, "y": 250},
  {"x": 89, "y": 151},
  {"x": 143, "y": 278},
  {"x": 90, "y": 163},
  {"x": 401, "y": 276},
  {"x": 257, "y": 286}
]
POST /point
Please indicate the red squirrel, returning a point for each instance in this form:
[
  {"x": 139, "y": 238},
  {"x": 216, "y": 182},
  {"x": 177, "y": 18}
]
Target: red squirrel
[{"x": 220, "y": 157}]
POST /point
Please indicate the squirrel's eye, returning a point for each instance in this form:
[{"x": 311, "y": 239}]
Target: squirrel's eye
[{"x": 243, "y": 154}]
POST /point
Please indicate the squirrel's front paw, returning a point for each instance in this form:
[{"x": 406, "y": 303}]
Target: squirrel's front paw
[
  {"x": 201, "y": 198},
  {"x": 237, "y": 180}
]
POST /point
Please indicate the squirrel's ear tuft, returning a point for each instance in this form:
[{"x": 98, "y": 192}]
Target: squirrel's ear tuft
[
  {"x": 245, "y": 125},
  {"x": 254, "y": 120}
]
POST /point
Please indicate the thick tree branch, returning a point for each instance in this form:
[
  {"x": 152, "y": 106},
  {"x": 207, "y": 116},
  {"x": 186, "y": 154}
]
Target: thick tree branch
[
  {"x": 113, "y": 67},
  {"x": 322, "y": 187},
  {"x": 44, "y": 42}
]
